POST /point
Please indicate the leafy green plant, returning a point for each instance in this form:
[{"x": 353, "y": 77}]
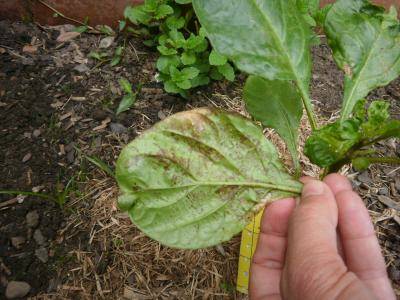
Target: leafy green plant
[
  {"x": 185, "y": 60},
  {"x": 194, "y": 179},
  {"x": 130, "y": 96}
]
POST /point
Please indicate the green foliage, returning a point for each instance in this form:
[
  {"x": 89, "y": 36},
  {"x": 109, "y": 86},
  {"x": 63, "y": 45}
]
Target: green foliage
[
  {"x": 171, "y": 27},
  {"x": 129, "y": 98},
  {"x": 366, "y": 44},
  {"x": 338, "y": 143},
  {"x": 196, "y": 178},
  {"x": 276, "y": 104}
]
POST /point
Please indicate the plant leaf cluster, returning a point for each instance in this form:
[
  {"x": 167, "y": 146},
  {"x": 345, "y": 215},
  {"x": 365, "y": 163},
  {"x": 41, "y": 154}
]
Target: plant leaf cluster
[
  {"x": 340, "y": 143},
  {"x": 194, "y": 179},
  {"x": 185, "y": 61}
]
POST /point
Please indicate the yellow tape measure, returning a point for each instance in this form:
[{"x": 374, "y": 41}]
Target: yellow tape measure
[{"x": 247, "y": 248}]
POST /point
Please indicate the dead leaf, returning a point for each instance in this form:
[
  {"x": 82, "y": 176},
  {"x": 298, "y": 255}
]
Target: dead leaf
[
  {"x": 30, "y": 49},
  {"x": 57, "y": 104},
  {"x": 67, "y": 36},
  {"x": 2, "y": 50},
  {"x": 37, "y": 189},
  {"x": 106, "y": 42}
]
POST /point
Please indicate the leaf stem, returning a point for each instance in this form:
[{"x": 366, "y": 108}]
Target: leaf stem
[
  {"x": 384, "y": 160},
  {"x": 308, "y": 106}
]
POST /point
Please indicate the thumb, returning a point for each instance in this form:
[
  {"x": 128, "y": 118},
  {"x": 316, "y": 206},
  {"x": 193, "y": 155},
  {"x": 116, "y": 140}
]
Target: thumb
[{"x": 313, "y": 263}]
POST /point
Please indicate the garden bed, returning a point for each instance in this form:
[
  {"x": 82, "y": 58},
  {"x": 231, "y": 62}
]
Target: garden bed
[{"x": 57, "y": 106}]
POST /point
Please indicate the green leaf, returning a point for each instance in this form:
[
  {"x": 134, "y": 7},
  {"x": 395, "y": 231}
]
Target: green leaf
[
  {"x": 184, "y": 84},
  {"x": 336, "y": 143},
  {"x": 365, "y": 44},
  {"x": 137, "y": 15},
  {"x": 361, "y": 163},
  {"x": 164, "y": 62},
  {"x": 190, "y": 72},
  {"x": 166, "y": 51},
  {"x": 217, "y": 59},
  {"x": 97, "y": 55},
  {"x": 81, "y": 29},
  {"x": 195, "y": 179},
  {"x": 163, "y": 11},
  {"x": 215, "y": 74},
  {"x": 100, "y": 164},
  {"x": 276, "y": 104},
  {"x": 188, "y": 58},
  {"x": 183, "y": 1},
  {"x": 115, "y": 61},
  {"x": 125, "y": 85},
  {"x": 126, "y": 103},
  {"x": 265, "y": 38},
  {"x": 227, "y": 71},
  {"x": 174, "y": 22},
  {"x": 200, "y": 80},
  {"x": 171, "y": 87}
]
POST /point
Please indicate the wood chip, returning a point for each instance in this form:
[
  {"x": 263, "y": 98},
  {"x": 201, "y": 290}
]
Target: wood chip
[
  {"x": 389, "y": 202},
  {"x": 57, "y": 104},
  {"x": 27, "y": 157},
  {"x": 396, "y": 219},
  {"x": 103, "y": 125},
  {"x": 79, "y": 99},
  {"x": 67, "y": 36},
  {"x": 30, "y": 49},
  {"x": 65, "y": 116}
]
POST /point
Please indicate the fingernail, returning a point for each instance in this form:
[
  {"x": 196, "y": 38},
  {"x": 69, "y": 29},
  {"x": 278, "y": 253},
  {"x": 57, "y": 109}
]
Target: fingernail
[{"x": 313, "y": 188}]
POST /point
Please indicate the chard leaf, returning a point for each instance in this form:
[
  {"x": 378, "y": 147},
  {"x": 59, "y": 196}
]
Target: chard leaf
[
  {"x": 276, "y": 104},
  {"x": 366, "y": 45},
  {"x": 195, "y": 178},
  {"x": 264, "y": 38}
]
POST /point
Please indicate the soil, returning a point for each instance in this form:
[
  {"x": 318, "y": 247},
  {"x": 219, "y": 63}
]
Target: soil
[{"x": 57, "y": 106}]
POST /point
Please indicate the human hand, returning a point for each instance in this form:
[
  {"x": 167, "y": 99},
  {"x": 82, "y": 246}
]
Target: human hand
[{"x": 325, "y": 248}]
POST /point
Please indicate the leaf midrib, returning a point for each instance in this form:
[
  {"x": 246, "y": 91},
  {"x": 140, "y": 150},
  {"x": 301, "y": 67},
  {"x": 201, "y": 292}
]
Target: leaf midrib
[
  {"x": 278, "y": 41},
  {"x": 270, "y": 186},
  {"x": 345, "y": 113}
]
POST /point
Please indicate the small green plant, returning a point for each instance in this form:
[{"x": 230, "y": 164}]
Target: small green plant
[
  {"x": 195, "y": 178},
  {"x": 129, "y": 98},
  {"x": 185, "y": 60}
]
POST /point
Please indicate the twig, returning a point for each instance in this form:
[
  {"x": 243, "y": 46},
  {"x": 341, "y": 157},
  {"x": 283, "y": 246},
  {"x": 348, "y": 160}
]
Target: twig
[{"x": 64, "y": 16}]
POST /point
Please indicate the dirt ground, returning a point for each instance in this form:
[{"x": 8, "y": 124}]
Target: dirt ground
[{"x": 57, "y": 106}]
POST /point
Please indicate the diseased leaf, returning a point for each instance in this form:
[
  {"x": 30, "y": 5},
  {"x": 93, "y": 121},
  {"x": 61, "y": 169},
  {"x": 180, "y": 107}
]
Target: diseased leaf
[
  {"x": 277, "y": 104},
  {"x": 366, "y": 45},
  {"x": 195, "y": 179},
  {"x": 265, "y": 38}
]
